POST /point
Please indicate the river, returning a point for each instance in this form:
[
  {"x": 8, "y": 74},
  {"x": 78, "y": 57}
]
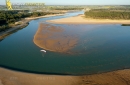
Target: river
[{"x": 100, "y": 48}]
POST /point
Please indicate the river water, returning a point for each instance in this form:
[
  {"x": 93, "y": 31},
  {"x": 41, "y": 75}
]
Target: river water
[{"x": 100, "y": 48}]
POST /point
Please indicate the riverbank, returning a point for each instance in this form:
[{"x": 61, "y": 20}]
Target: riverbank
[
  {"x": 32, "y": 18},
  {"x": 24, "y": 23},
  {"x": 15, "y": 28},
  {"x": 9, "y": 77},
  {"x": 80, "y": 19}
]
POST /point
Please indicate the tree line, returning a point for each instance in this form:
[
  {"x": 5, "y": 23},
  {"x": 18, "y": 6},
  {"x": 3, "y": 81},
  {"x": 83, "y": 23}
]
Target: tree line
[
  {"x": 107, "y": 14},
  {"x": 10, "y": 17},
  {"x": 72, "y": 8}
]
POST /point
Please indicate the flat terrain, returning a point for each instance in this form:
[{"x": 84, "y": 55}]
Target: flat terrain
[
  {"x": 80, "y": 19},
  {"x": 9, "y": 77},
  {"x": 53, "y": 38}
]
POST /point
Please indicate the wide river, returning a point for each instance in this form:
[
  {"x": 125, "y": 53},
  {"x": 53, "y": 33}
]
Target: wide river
[{"x": 100, "y": 48}]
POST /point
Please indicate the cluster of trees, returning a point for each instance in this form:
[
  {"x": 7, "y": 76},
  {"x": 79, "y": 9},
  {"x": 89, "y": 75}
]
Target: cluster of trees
[
  {"x": 10, "y": 17},
  {"x": 107, "y": 14},
  {"x": 7, "y": 17},
  {"x": 113, "y": 9},
  {"x": 125, "y": 24},
  {"x": 66, "y": 7},
  {"x": 36, "y": 14}
]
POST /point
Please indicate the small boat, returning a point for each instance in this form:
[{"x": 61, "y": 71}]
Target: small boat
[{"x": 43, "y": 51}]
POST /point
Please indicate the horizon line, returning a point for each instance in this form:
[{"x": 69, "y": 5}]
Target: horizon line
[{"x": 82, "y": 4}]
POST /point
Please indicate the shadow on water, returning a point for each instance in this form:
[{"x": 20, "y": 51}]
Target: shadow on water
[
  {"x": 54, "y": 73},
  {"x": 125, "y": 25},
  {"x": 1, "y": 40},
  {"x": 43, "y": 53},
  {"x": 11, "y": 32},
  {"x": 34, "y": 72}
]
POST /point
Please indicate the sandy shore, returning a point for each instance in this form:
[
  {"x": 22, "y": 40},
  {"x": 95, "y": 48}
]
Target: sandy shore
[
  {"x": 81, "y": 20},
  {"x": 9, "y": 77},
  {"x": 24, "y": 24},
  {"x": 120, "y": 77}
]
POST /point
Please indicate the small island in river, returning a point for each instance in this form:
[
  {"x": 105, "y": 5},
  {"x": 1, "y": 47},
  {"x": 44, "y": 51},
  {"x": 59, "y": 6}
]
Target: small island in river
[{"x": 53, "y": 38}]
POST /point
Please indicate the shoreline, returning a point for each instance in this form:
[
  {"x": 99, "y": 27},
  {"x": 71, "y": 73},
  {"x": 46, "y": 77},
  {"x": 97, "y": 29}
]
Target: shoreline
[
  {"x": 11, "y": 77},
  {"x": 33, "y": 18},
  {"x": 25, "y": 23},
  {"x": 80, "y": 19},
  {"x": 12, "y": 29}
]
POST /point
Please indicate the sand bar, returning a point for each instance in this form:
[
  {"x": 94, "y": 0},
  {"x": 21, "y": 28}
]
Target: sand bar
[
  {"x": 54, "y": 38},
  {"x": 81, "y": 20}
]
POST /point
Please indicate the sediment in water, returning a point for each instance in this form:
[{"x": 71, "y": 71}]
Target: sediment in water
[{"x": 54, "y": 38}]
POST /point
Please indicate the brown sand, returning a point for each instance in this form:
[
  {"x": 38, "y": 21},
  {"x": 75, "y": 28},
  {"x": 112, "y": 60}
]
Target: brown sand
[
  {"x": 81, "y": 20},
  {"x": 9, "y": 77},
  {"x": 53, "y": 38},
  {"x": 121, "y": 77}
]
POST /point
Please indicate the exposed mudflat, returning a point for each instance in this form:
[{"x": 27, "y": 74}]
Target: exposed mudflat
[{"x": 54, "y": 38}]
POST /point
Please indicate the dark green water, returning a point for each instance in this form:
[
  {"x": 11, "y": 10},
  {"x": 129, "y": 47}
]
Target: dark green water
[{"x": 101, "y": 48}]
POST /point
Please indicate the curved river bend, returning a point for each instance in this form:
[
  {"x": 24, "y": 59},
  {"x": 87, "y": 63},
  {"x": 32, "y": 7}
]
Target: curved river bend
[{"x": 100, "y": 48}]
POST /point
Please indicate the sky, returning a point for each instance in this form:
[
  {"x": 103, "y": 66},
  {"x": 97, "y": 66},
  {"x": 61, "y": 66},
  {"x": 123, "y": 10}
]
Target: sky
[{"x": 73, "y": 2}]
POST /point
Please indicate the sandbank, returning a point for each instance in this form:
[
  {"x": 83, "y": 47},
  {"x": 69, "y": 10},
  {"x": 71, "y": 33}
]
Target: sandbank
[
  {"x": 54, "y": 38},
  {"x": 80, "y": 19}
]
